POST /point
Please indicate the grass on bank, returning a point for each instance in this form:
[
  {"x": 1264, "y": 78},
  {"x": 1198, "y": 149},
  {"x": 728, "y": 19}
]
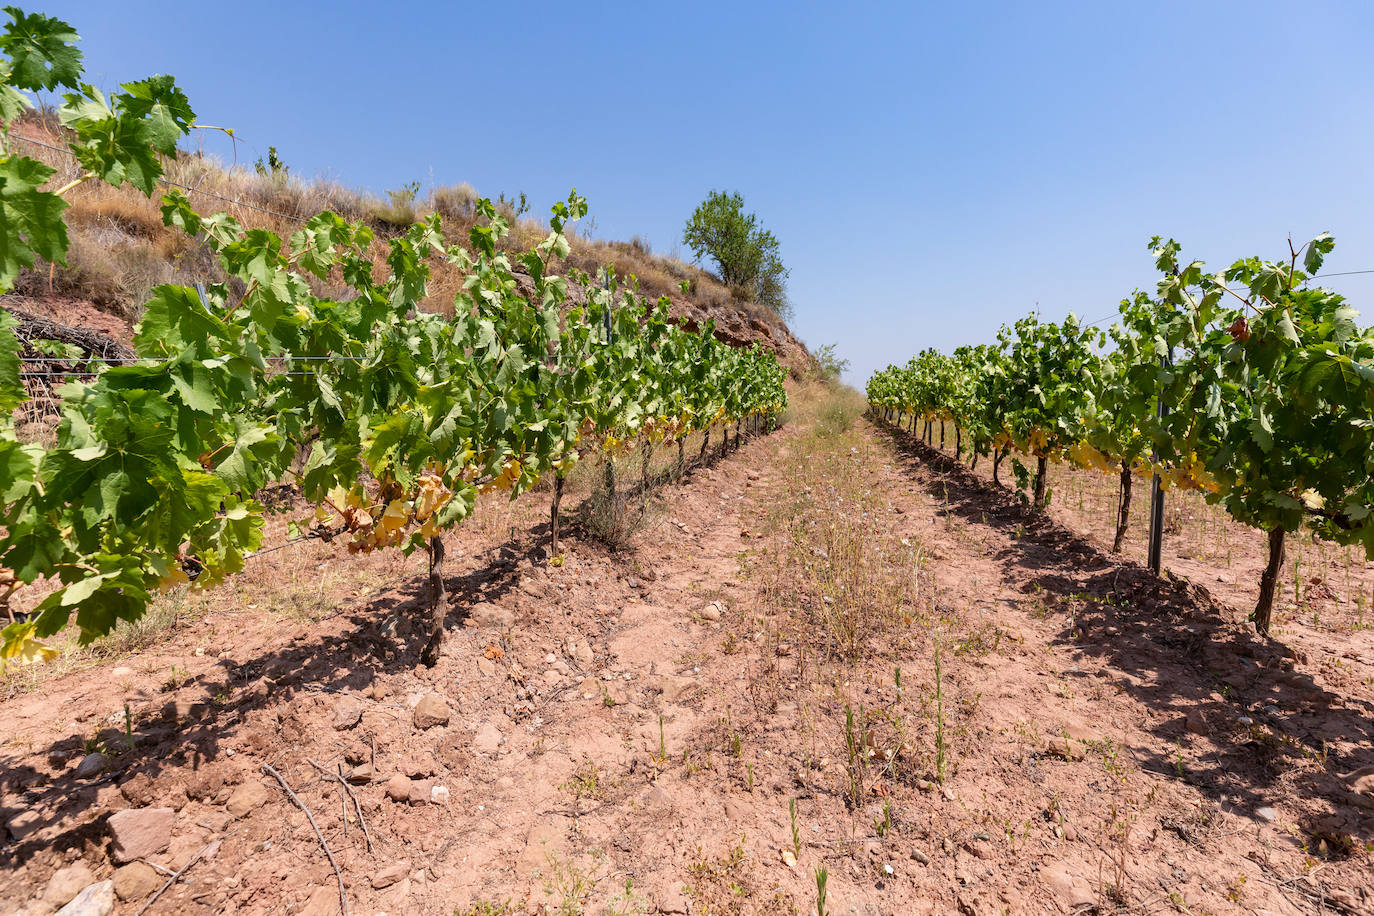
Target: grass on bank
[{"x": 120, "y": 249}]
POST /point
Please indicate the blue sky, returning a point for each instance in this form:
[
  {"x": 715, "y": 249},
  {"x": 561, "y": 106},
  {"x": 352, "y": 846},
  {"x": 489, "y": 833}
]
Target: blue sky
[{"x": 931, "y": 170}]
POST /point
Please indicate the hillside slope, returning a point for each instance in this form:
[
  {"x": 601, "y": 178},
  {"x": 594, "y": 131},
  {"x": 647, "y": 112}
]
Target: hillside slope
[{"x": 120, "y": 249}]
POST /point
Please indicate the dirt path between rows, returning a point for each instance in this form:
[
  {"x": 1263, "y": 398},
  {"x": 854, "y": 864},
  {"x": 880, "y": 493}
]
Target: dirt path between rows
[{"x": 631, "y": 733}]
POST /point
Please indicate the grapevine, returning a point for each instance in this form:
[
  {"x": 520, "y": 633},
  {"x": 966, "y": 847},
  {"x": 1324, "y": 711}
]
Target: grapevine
[
  {"x": 388, "y": 419},
  {"x": 1269, "y": 381}
]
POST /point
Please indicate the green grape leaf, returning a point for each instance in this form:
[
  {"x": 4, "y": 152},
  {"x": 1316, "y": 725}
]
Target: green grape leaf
[
  {"x": 12, "y": 390},
  {"x": 13, "y": 103},
  {"x": 42, "y": 51},
  {"x": 163, "y": 109},
  {"x": 1316, "y": 252},
  {"x": 242, "y": 468},
  {"x": 30, "y": 220}
]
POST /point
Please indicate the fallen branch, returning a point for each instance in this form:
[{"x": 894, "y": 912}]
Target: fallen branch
[
  {"x": 329, "y": 853},
  {"x": 357, "y": 807},
  {"x": 173, "y": 880},
  {"x": 35, "y": 327}
]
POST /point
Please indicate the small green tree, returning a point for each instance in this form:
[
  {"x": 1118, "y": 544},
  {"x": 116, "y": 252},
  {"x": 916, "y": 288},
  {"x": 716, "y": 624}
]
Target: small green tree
[
  {"x": 745, "y": 254},
  {"x": 274, "y": 168},
  {"x": 829, "y": 363}
]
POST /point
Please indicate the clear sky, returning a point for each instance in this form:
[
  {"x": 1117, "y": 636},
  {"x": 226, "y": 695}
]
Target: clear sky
[{"x": 931, "y": 170}]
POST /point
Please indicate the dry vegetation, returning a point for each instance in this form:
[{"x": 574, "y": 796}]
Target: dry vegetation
[{"x": 120, "y": 249}]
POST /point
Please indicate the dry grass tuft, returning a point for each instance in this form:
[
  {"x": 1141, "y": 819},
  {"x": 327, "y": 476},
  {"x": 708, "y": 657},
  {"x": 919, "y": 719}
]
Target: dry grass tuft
[
  {"x": 120, "y": 249},
  {"x": 851, "y": 587}
]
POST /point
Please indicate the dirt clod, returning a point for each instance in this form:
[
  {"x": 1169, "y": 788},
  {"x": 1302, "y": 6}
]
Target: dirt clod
[
  {"x": 135, "y": 881},
  {"x": 431, "y": 711},
  {"x": 248, "y": 798},
  {"x": 398, "y": 788},
  {"x": 390, "y": 875}
]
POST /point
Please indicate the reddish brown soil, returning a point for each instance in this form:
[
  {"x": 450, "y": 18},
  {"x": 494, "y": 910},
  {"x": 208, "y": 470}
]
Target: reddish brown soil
[
  {"x": 1116, "y": 740},
  {"x": 75, "y": 313}
]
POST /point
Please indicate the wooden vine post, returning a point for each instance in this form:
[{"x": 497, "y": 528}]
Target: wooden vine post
[
  {"x": 553, "y": 513},
  {"x": 1038, "y": 488}
]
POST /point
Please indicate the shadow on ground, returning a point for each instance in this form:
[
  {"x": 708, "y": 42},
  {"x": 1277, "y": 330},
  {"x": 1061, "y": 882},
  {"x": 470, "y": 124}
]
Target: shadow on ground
[
  {"x": 1180, "y": 651},
  {"x": 346, "y": 652}
]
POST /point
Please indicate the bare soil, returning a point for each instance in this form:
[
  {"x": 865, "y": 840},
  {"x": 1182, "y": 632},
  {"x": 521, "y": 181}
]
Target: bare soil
[{"x": 1098, "y": 738}]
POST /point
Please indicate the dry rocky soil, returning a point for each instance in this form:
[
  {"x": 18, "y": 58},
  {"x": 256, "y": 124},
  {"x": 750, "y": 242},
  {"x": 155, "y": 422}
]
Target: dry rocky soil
[{"x": 983, "y": 712}]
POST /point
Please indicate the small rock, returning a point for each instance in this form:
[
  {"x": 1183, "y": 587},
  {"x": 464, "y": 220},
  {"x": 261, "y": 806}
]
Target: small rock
[
  {"x": 672, "y": 902},
  {"x": 1245, "y": 720},
  {"x": 1072, "y": 890},
  {"x": 632, "y": 582},
  {"x": 96, "y": 900},
  {"x": 712, "y": 611},
  {"x": 674, "y": 688},
  {"x": 347, "y": 713},
  {"x": 1267, "y": 814},
  {"x": 390, "y": 875},
  {"x": 920, "y": 856},
  {"x": 137, "y": 833},
  {"x": 658, "y": 799},
  {"x": 421, "y": 790},
  {"x": 486, "y": 667},
  {"x": 66, "y": 883},
  {"x": 1070, "y": 833},
  {"x": 398, "y": 788},
  {"x": 91, "y": 765},
  {"x": 438, "y": 795},
  {"x": 135, "y": 881},
  {"x": 583, "y": 656},
  {"x": 589, "y": 688},
  {"x": 324, "y": 901},
  {"x": 216, "y": 821},
  {"x": 361, "y": 774},
  {"x": 491, "y": 616},
  {"x": 418, "y": 765},
  {"x": 487, "y": 739},
  {"x": 432, "y": 710},
  {"x": 1065, "y": 747},
  {"x": 1195, "y": 722},
  {"x": 247, "y": 798}
]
